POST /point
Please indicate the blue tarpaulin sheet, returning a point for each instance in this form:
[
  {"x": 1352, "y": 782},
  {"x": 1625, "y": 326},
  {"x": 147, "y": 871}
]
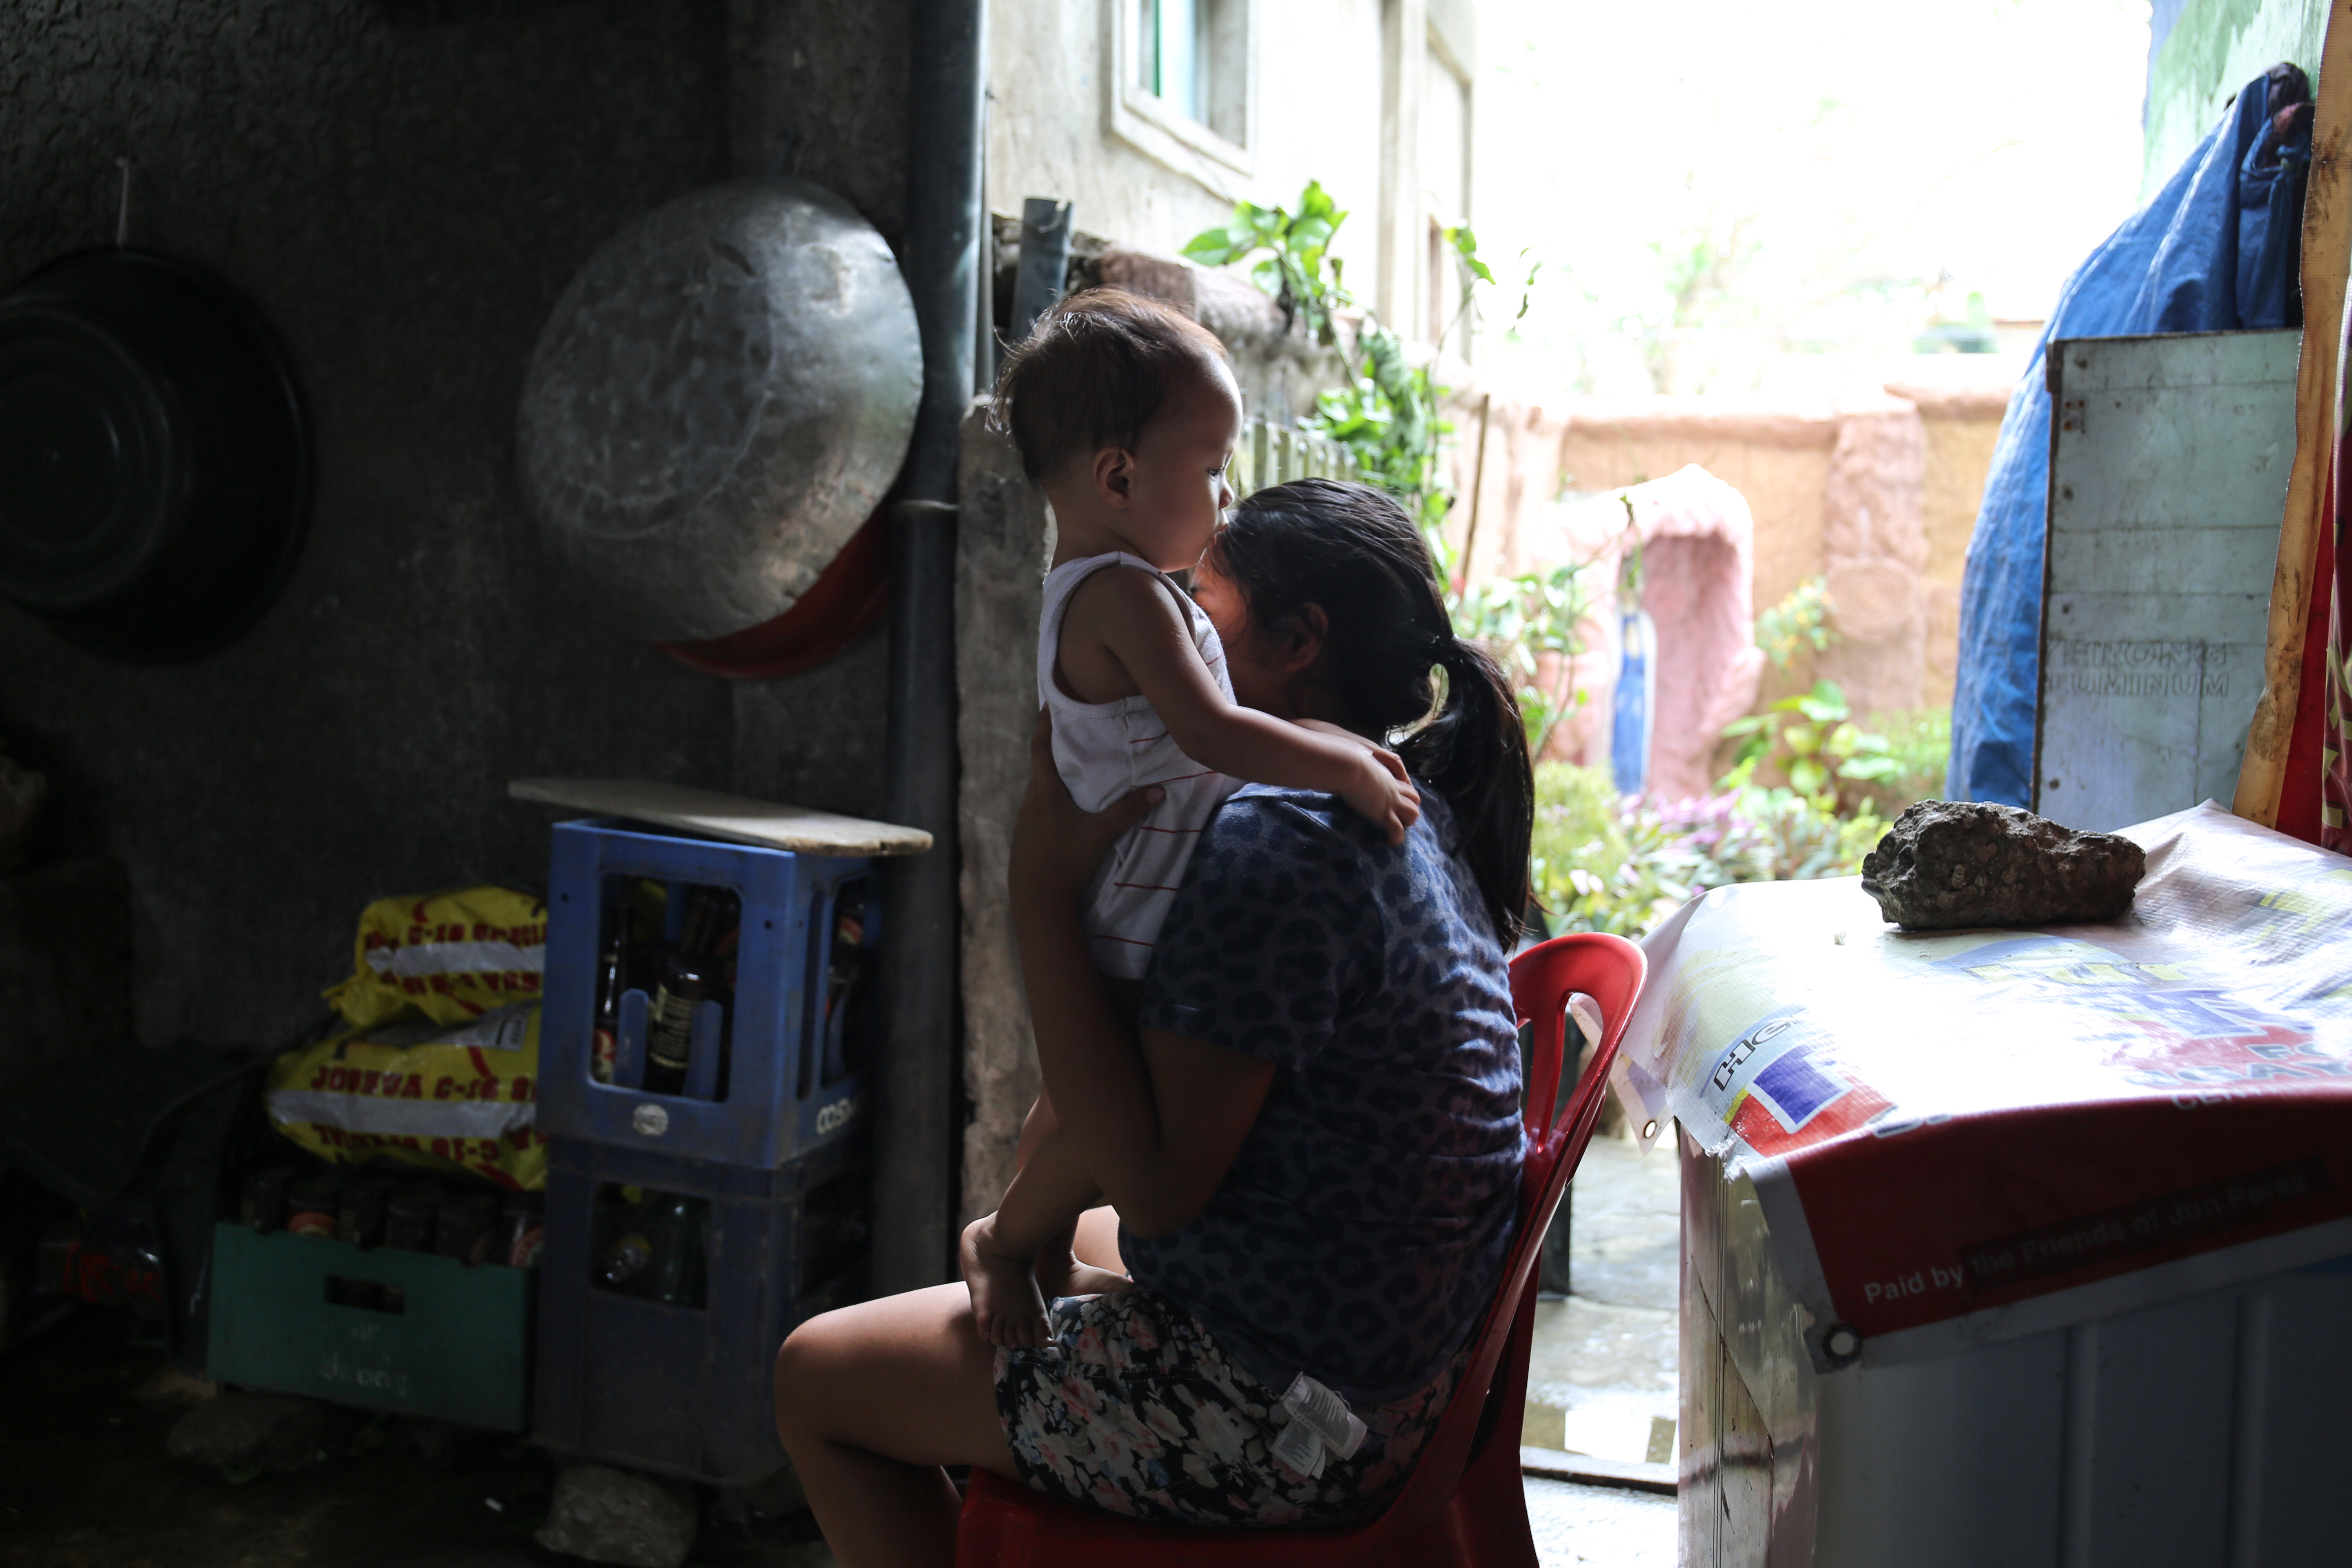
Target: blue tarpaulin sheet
[{"x": 2215, "y": 251}]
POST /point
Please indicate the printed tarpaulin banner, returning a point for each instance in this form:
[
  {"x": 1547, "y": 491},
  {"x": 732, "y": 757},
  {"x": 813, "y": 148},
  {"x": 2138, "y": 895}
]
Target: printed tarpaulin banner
[{"x": 1961, "y": 1136}]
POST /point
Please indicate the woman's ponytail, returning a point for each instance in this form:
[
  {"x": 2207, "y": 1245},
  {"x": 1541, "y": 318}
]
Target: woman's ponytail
[
  {"x": 1353, "y": 552},
  {"x": 1474, "y": 753}
]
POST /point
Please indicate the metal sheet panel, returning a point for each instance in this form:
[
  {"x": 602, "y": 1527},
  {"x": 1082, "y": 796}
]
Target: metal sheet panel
[{"x": 2168, "y": 460}]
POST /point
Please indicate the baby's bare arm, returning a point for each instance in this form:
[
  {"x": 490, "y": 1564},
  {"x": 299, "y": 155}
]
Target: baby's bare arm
[
  {"x": 1133, "y": 620},
  {"x": 1044, "y": 1200}
]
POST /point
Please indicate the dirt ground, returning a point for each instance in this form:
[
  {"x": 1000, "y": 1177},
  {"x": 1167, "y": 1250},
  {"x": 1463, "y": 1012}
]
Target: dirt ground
[{"x": 85, "y": 1483}]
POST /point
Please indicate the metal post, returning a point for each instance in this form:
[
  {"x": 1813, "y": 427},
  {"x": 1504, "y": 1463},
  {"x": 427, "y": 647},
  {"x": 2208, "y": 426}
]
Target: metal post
[
  {"x": 914, "y": 1132},
  {"x": 1045, "y": 263}
]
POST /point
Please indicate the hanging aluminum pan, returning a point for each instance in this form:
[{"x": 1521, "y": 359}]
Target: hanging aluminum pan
[{"x": 717, "y": 404}]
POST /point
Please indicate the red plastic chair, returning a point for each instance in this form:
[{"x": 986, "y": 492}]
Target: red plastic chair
[{"x": 1465, "y": 1505}]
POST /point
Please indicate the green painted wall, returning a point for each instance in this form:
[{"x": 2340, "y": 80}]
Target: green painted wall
[{"x": 2215, "y": 47}]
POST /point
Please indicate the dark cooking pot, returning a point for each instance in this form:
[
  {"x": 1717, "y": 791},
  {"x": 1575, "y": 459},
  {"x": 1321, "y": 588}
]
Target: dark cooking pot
[{"x": 154, "y": 459}]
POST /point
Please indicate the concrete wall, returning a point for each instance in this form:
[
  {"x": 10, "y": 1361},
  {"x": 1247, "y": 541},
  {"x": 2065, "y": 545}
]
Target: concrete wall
[
  {"x": 403, "y": 186},
  {"x": 1003, "y": 550},
  {"x": 1324, "y": 108},
  {"x": 1878, "y": 493},
  {"x": 2200, "y": 52},
  {"x": 1961, "y": 428}
]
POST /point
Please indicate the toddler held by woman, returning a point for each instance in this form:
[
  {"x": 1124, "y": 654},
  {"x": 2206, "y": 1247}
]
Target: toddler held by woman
[{"x": 1126, "y": 414}]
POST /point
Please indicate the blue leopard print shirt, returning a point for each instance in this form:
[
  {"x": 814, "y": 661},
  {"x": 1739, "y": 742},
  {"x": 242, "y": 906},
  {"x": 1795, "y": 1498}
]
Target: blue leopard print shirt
[{"x": 1363, "y": 1224}]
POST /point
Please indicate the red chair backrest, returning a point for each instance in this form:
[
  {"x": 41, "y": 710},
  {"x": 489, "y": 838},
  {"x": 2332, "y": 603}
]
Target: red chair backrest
[{"x": 1610, "y": 970}]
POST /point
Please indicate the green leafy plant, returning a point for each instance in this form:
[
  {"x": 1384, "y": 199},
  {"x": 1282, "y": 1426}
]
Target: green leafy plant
[
  {"x": 1388, "y": 412},
  {"x": 1296, "y": 268},
  {"x": 1598, "y": 864},
  {"x": 1813, "y": 739},
  {"x": 1522, "y": 619},
  {"x": 1601, "y": 862},
  {"x": 1919, "y": 744},
  {"x": 1798, "y": 622}
]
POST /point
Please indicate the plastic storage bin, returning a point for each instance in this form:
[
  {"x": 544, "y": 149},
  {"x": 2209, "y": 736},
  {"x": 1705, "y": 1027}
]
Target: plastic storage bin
[
  {"x": 454, "y": 1344},
  {"x": 684, "y": 1390},
  {"x": 789, "y": 1089}
]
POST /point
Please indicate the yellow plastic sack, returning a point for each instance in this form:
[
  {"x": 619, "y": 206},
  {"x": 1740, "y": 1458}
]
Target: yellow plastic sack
[
  {"x": 450, "y": 957},
  {"x": 446, "y": 1098}
]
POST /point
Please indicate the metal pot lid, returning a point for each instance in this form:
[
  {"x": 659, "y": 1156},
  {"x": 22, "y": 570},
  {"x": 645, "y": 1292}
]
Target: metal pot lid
[
  {"x": 718, "y": 402},
  {"x": 154, "y": 458}
]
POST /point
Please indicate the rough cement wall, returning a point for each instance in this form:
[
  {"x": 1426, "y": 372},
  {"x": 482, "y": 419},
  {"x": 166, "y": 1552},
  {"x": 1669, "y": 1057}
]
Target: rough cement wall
[
  {"x": 820, "y": 91},
  {"x": 2212, "y": 48},
  {"x": 1879, "y": 493},
  {"x": 1280, "y": 370},
  {"x": 1962, "y": 428},
  {"x": 1874, "y": 544},
  {"x": 1778, "y": 459},
  {"x": 1003, "y": 545},
  {"x": 403, "y": 186},
  {"x": 1049, "y": 67}
]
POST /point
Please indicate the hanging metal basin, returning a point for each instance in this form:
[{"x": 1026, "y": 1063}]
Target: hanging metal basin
[{"x": 718, "y": 402}]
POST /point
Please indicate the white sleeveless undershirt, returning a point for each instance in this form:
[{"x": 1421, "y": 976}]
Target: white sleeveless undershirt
[{"x": 1103, "y": 750}]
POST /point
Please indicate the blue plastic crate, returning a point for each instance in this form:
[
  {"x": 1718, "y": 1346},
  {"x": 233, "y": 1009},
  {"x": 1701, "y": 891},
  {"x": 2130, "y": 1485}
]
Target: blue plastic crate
[
  {"x": 683, "y": 1390},
  {"x": 789, "y": 1089}
]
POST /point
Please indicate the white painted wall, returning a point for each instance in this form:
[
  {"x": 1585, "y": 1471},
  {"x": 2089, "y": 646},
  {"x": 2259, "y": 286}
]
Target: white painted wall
[{"x": 1318, "y": 115}]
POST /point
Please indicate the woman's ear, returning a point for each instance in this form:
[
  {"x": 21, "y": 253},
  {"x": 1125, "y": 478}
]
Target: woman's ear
[
  {"x": 1304, "y": 636},
  {"x": 1113, "y": 473}
]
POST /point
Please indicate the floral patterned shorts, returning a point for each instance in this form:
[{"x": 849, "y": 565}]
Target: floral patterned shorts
[{"x": 1131, "y": 1408}]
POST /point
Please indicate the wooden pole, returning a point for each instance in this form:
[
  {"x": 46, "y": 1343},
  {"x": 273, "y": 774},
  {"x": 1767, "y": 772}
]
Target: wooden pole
[
  {"x": 1477, "y": 491},
  {"x": 2318, "y": 419}
]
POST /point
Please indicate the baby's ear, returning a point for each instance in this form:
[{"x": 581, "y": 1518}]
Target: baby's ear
[{"x": 1113, "y": 474}]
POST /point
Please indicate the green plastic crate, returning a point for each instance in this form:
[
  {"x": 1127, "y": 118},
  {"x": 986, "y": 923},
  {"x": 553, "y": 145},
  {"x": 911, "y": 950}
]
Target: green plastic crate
[{"x": 457, "y": 1350}]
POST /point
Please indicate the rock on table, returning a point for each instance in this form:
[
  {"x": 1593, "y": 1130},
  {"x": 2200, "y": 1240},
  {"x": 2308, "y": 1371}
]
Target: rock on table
[{"x": 1949, "y": 864}]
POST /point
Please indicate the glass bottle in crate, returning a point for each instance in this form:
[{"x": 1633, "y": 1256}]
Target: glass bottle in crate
[
  {"x": 611, "y": 979},
  {"x": 689, "y": 977}
]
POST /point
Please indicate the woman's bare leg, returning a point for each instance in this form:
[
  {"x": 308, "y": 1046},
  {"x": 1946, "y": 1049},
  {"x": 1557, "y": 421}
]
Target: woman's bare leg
[
  {"x": 871, "y": 1401},
  {"x": 1097, "y": 1241}
]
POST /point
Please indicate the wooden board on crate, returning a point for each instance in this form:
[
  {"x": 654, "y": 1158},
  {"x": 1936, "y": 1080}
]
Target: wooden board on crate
[{"x": 739, "y": 819}]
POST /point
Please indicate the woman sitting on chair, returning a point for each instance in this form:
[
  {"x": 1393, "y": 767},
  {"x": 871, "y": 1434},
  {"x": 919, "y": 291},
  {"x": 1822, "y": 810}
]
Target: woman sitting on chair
[{"x": 1311, "y": 1136}]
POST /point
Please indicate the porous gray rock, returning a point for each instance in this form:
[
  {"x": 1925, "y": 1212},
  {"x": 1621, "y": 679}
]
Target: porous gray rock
[
  {"x": 612, "y": 1516},
  {"x": 1949, "y": 864},
  {"x": 277, "y": 1433}
]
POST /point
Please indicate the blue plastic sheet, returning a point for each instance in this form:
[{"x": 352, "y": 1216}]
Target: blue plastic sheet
[{"x": 2215, "y": 251}]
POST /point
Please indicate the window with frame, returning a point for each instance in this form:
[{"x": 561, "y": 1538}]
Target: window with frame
[{"x": 1182, "y": 90}]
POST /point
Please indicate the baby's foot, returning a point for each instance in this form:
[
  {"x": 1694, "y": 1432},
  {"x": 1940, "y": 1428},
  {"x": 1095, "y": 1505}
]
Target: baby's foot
[
  {"x": 1005, "y": 1303},
  {"x": 1085, "y": 1279}
]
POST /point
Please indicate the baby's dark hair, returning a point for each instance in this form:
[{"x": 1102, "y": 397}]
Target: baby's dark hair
[
  {"x": 1093, "y": 372},
  {"x": 1352, "y": 552}
]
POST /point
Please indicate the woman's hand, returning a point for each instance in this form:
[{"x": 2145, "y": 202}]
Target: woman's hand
[{"x": 1057, "y": 847}]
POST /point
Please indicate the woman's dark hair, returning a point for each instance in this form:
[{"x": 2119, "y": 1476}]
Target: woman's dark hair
[{"x": 1352, "y": 552}]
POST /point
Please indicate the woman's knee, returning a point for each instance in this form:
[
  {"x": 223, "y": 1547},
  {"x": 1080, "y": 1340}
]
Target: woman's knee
[{"x": 809, "y": 1355}]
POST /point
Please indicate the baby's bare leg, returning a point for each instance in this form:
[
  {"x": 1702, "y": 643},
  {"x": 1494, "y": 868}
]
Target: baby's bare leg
[
  {"x": 1036, "y": 1227},
  {"x": 1000, "y": 1252}
]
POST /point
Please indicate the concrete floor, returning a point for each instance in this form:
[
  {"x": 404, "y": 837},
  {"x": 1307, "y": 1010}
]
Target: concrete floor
[
  {"x": 1602, "y": 1378},
  {"x": 1605, "y": 1357},
  {"x": 1599, "y": 1527},
  {"x": 85, "y": 1482}
]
